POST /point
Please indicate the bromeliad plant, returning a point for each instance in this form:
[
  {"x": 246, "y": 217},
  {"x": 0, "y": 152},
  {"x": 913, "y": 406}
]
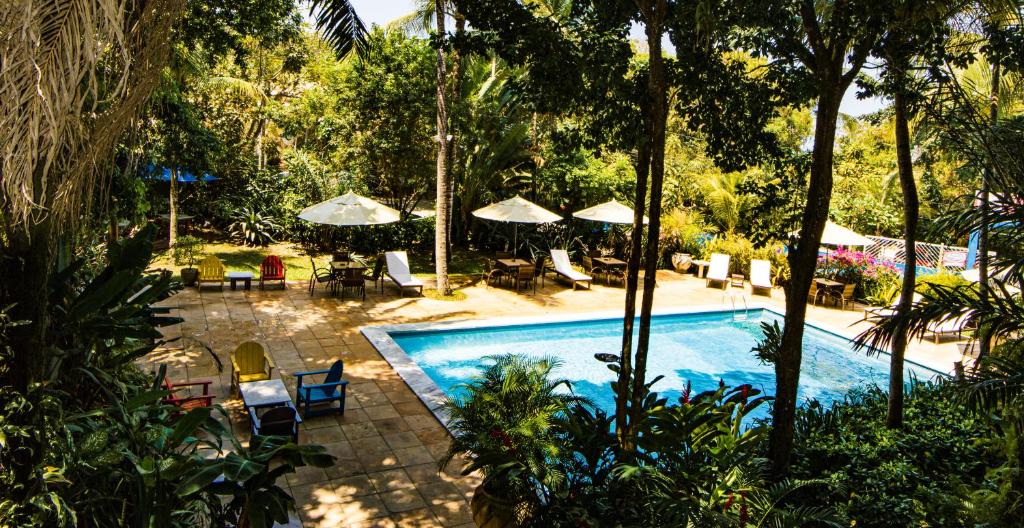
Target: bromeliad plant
[{"x": 253, "y": 227}]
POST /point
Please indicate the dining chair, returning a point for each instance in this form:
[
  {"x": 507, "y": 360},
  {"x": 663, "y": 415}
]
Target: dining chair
[
  {"x": 526, "y": 275},
  {"x": 320, "y": 276},
  {"x": 353, "y": 279}
]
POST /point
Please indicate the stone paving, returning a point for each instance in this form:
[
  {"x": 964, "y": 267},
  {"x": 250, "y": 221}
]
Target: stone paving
[{"x": 388, "y": 443}]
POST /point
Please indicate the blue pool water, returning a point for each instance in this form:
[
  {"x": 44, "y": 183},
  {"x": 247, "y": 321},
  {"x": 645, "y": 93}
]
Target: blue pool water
[{"x": 699, "y": 348}]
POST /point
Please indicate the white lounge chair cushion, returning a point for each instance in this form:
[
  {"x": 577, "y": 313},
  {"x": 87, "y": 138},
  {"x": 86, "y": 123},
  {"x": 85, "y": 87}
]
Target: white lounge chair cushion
[
  {"x": 760, "y": 273},
  {"x": 398, "y": 263},
  {"x": 560, "y": 258},
  {"x": 719, "y": 269},
  {"x": 405, "y": 280}
]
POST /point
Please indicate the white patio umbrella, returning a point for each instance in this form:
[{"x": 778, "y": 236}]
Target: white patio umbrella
[
  {"x": 611, "y": 212},
  {"x": 837, "y": 235},
  {"x": 350, "y": 209},
  {"x": 517, "y": 210}
]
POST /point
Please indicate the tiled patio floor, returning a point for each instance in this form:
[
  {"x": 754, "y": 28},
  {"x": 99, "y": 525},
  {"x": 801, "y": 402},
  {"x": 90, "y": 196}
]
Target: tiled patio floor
[{"x": 388, "y": 443}]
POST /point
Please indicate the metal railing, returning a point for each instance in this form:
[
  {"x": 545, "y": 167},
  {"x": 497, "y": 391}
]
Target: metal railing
[{"x": 930, "y": 257}]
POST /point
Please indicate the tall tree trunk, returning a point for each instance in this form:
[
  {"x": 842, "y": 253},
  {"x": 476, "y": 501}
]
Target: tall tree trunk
[
  {"x": 172, "y": 210},
  {"x": 443, "y": 211},
  {"x": 622, "y": 396},
  {"x": 984, "y": 343},
  {"x": 803, "y": 260},
  {"x": 454, "y": 168},
  {"x": 894, "y": 416},
  {"x": 29, "y": 256},
  {"x": 658, "y": 109}
]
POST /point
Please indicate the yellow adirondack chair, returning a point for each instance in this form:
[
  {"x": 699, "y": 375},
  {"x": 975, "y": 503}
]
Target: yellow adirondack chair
[
  {"x": 211, "y": 270},
  {"x": 250, "y": 362}
]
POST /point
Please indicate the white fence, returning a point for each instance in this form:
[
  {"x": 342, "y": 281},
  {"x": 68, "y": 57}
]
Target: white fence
[{"x": 930, "y": 256}]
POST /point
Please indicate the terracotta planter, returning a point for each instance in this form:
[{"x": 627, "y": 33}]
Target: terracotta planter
[
  {"x": 493, "y": 511},
  {"x": 189, "y": 276},
  {"x": 681, "y": 262}
]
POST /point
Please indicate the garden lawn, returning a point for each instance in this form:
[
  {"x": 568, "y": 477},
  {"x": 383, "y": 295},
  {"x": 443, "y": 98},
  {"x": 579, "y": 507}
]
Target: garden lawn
[{"x": 236, "y": 257}]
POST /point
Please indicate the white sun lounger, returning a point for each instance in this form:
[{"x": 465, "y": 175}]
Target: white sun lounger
[
  {"x": 562, "y": 266},
  {"x": 881, "y": 312},
  {"x": 952, "y": 326},
  {"x": 761, "y": 276},
  {"x": 718, "y": 272},
  {"x": 398, "y": 272}
]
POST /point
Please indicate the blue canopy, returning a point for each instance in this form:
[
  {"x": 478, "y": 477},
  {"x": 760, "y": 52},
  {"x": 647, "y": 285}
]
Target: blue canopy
[{"x": 164, "y": 174}]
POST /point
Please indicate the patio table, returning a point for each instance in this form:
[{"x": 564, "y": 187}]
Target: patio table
[
  {"x": 513, "y": 263},
  {"x": 339, "y": 265},
  {"x": 701, "y": 265},
  {"x": 610, "y": 262},
  {"x": 829, "y": 288},
  {"x": 265, "y": 393},
  {"x": 244, "y": 276}
]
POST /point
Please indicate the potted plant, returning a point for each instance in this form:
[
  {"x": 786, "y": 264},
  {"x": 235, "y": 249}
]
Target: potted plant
[
  {"x": 186, "y": 251},
  {"x": 505, "y": 426}
]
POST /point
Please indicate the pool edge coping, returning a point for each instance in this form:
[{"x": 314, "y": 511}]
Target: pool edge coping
[{"x": 431, "y": 395}]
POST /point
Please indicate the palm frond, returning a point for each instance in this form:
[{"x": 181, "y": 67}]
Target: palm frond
[
  {"x": 74, "y": 75},
  {"x": 340, "y": 26}
]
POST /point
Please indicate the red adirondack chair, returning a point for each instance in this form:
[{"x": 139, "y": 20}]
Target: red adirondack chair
[
  {"x": 190, "y": 401},
  {"x": 272, "y": 269}
]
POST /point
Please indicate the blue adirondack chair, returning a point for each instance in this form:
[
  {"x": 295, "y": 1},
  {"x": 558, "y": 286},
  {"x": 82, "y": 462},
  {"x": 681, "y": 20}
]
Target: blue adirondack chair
[{"x": 331, "y": 390}]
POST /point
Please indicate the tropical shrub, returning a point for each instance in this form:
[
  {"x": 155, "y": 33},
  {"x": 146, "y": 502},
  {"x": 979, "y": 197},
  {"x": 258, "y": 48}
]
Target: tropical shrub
[
  {"x": 881, "y": 285},
  {"x": 920, "y": 475},
  {"x": 92, "y": 444},
  {"x": 856, "y": 267},
  {"x": 739, "y": 248},
  {"x": 503, "y": 424},
  {"x": 683, "y": 231},
  {"x": 946, "y": 279},
  {"x": 186, "y": 250},
  {"x": 253, "y": 227}
]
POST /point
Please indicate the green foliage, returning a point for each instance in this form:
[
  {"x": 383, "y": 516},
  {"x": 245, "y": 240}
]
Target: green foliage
[
  {"x": 917, "y": 476},
  {"x": 246, "y": 477},
  {"x": 253, "y": 227},
  {"x": 683, "y": 231},
  {"x": 883, "y": 288},
  {"x": 739, "y": 248},
  {"x": 925, "y": 283},
  {"x": 187, "y": 249},
  {"x": 91, "y": 443},
  {"x": 503, "y": 423},
  {"x": 381, "y": 121}
]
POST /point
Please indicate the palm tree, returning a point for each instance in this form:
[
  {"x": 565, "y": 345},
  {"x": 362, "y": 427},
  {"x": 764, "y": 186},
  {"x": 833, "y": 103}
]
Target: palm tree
[
  {"x": 443, "y": 213},
  {"x": 727, "y": 203}
]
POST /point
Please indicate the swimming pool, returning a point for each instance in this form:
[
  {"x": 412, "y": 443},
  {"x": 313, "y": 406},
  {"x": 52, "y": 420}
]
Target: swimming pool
[{"x": 701, "y": 348}]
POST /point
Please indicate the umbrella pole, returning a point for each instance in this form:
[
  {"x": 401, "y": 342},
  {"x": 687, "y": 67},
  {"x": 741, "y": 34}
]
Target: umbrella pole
[{"x": 515, "y": 240}]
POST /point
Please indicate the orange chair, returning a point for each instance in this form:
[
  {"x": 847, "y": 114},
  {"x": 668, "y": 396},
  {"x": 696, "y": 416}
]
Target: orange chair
[
  {"x": 190, "y": 401},
  {"x": 272, "y": 269}
]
